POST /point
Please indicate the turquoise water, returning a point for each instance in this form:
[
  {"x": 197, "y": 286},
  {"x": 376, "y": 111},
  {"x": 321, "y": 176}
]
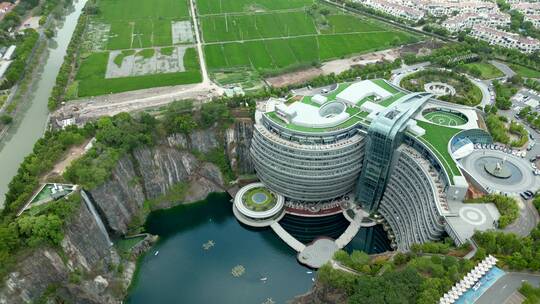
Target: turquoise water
[
  {"x": 487, "y": 280},
  {"x": 183, "y": 272}
]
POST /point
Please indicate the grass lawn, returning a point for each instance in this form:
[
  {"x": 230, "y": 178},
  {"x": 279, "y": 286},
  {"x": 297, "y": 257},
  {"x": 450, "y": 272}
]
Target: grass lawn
[
  {"x": 437, "y": 138},
  {"x": 125, "y": 245},
  {"x": 92, "y": 81},
  {"x": 525, "y": 71},
  {"x": 487, "y": 70}
]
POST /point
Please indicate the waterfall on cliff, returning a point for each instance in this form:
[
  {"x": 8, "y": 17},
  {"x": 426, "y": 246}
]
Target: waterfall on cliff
[{"x": 90, "y": 206}]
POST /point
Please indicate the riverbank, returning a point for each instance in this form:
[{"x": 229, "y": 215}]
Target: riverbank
[{"x": 20, "y": 140}]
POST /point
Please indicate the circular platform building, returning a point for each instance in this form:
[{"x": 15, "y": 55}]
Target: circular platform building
[{"x": 257, "y": 206}]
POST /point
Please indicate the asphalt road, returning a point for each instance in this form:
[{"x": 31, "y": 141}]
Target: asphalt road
[
  {"x": 508, "y": 72},
  {"x": 528, "y": 219},
  {"x": 506, "y": 286}
]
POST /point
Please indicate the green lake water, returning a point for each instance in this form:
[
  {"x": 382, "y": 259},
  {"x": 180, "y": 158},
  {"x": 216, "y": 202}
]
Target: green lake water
[{"x": 183, "y": 272}]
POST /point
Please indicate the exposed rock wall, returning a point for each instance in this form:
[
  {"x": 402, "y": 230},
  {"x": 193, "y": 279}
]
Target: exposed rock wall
[
  {"x": 147, "y": 173},
  {"x": 238, "y": 141},
  {"x": 150, "y": 172},
  {"x": 120, "y": 198},
  {"x": 85, "y": 249},
  {"x": 322, "y": 294}
]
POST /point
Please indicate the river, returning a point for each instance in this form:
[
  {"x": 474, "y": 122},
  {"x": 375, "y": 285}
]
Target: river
[{"x": 22, "y": 136}]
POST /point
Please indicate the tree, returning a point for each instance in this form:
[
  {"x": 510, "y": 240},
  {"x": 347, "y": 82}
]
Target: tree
[{"x": 6, "y": 119}]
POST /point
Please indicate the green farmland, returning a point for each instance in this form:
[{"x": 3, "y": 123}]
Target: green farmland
[
  {"x": 206, "y": 7},
  {"x": 271, "y": 39},
  {"x": 91, "y": 79},
  {"x": 142, "y": 31},
  {"x": 141, "y": 23},
  {"x": 280, "y": 53}
]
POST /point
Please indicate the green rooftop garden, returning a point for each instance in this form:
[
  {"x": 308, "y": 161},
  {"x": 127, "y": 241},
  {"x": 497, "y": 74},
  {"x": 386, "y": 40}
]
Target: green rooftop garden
[
  {"x": 437, "y": 138},
  {"x": 357, "y": 115},
  {"x": 383, "y": 84},
  {"x": 259, "y": 199},
  {"x": 351, "y": 121},
  {"x": 390, "y": 100}
]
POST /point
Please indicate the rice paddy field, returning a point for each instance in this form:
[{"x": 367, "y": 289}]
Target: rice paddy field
[
  {"x": 269, "y": 36},
  {"x": 141, "y": 23},
  {"x": 150, "y": 30},
  {"x": 258, "y": 37}
]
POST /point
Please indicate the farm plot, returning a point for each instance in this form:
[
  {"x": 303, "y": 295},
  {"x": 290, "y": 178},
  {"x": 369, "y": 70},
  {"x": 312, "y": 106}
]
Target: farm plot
[
  {"x": 253, "y": 26},
  {"x": 272, "y": 54},
  {"x": 134, "y": 71},
  {"x": 137, "y": 44},
  {"x": 274, "y": 41},
  {"x": 206, "y": 7}
]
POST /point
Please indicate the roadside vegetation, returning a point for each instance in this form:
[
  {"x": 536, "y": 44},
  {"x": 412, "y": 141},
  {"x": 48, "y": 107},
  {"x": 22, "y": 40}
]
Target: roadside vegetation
[
  {"x": 409, "y": 278},
  {"x": 482, "y": 70},
  {"x": 508, "y": 133},
  {"x": 530, "y": 115},
  {"x": 531, "y": 293},
  {"x": 25, "y": 43},
  {"x": 514, "y": 252}
]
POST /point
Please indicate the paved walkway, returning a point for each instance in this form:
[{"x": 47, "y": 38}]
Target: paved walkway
[
  {"x": 351, "y": 231},
  {"x": 318, "y": 253},
  {"x": 202, "y": 62},
  {"x": 287, "y": 238}
]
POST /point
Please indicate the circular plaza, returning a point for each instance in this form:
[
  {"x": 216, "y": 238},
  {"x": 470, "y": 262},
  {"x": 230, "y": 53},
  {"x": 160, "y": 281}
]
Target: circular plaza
[
  {"x": 257, "y": 206},
  {"x": 496, "y": 170},
  {"x": 445, "y": 117}
]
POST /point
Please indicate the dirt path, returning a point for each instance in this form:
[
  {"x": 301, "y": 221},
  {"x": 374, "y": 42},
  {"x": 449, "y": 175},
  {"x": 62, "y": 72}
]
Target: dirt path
[
  {"x": 59, "y": 168},
  {"x": 108, "y": 105},
  {"x": 334, "y": 66},
  {"x": 341, "y": 65}
]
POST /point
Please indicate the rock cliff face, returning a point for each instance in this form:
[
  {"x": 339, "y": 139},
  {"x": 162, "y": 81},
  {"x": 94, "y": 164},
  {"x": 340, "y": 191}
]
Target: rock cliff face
[
  {"x": 238, "y": 140},
  {"x": 147, "y": 173},
  {"x": 150, "y": 172},
  {"x": 85, "y": 249},
  {"x": 321, "y": 294}
]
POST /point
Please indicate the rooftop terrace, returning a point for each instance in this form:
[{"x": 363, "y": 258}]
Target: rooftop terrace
[{"x": 305, "y": 113}]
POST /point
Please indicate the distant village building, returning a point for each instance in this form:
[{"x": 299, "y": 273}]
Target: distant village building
[
  {"x": 468, "y": 20},
  {"x": 534, "y": 19},
  {"x": 6, "y": 7},
  {"x": 506, "y": 39},
  {"x": 395, "y": 8},
  {"x": 8, "y": 55},
  {"x": 527, "y": 8}
]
